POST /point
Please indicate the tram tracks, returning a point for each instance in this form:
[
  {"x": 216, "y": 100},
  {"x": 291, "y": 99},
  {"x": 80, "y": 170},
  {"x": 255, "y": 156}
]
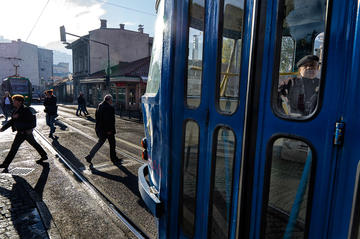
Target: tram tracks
[
  {"x": 121, "y": 152},
  {"x": 101, "y": 196}
]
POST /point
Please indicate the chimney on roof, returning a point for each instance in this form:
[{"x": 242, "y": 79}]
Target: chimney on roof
[
  {"x": 141, "y": 28},
  {"x": 122, "y": 26},
  {"x": 103, "y": 23}
]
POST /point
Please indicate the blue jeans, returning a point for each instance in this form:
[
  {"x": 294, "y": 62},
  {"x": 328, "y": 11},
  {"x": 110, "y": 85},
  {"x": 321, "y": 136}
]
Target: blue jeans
[
  {"x": 81, "y": 108},
  {"x": 50, "y": 120}
]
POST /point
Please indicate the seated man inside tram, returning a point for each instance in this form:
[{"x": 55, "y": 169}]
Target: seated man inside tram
[{"x": 299, "y": 95}]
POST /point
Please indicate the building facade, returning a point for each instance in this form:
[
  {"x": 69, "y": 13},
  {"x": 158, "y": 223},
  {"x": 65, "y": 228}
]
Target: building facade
[
  {"x": 27, "y": 60},
  {"x": 45, "y": 57},
  {"x": 90, "y": 57},
  {"x": 61, "y": 69}
]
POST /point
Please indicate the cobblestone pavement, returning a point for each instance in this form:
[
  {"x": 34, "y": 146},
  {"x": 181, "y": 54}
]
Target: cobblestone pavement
[{"x": 19, "y": 217}]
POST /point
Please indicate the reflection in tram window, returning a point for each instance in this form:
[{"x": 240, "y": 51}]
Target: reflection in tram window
[
  {"x": 288, "y": 189},
  {"x": 287, "y": 55},
  {"x": 189, "y": 180},
  {"x": 222, "y": 180},
  {"x": 154, "y": 76},
  {"x": 195, "y": 52},
  {"x": 232, "y": 32},
  {"x": 296, "y": 89}
]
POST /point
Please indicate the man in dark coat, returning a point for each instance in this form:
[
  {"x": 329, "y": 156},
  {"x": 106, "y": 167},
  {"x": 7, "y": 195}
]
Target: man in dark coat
[
  {"x": 105, "y": 128},
  {"x": 302, "y": 92},
  {"x": 7, "y": 105},
  {"x": 23, "y": 121},
  {"x": 50, "y": 110},
  {"x": 81, "y": 105}
]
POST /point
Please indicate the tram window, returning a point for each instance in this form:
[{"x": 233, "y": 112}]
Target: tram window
[
  {"x": 288, "y": 193},
  {"x": 297, "y": 82},
  {"x": 154, "y": 76},
  {"x": 229, "y": 63},
  {"x": 189, "y": 178},
  {"x": 221, "y": 183},
  {"x": 195, "y": 52}
]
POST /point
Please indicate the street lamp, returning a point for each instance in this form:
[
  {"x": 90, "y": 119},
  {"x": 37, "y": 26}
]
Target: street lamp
[{"x": 107, "y": 73}]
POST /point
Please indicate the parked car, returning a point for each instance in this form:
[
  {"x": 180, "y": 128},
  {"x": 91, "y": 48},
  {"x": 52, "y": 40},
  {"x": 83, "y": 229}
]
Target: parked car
[{"x": 37, "y": 98}]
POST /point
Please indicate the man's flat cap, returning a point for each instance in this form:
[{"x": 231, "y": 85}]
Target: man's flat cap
[
  {"x": 307, "y": 59},
  {"x": 18, "y": 98}
]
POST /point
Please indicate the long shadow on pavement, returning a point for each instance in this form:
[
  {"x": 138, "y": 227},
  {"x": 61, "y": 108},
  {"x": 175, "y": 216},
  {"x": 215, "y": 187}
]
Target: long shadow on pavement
[
  {"x": 29, "y": 214},
  {"x": 61, "y": 125},
  {"x": 68, "y": 154},
  {"x": 91, "y": 119},
  {"x": 130, "y": 181}
]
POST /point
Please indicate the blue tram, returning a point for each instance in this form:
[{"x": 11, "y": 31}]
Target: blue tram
[{"x": 232, "y": 154}]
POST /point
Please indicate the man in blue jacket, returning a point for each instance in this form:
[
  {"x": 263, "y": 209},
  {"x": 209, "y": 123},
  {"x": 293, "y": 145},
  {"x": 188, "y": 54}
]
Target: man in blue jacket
[
  {"x": 105, "y": 128},
  {"x": 23, "y": 121}
]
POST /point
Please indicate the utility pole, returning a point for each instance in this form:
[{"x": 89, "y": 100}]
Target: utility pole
[
  {"x": 16, "y": 66},
  {"x": 107, "y": 71},
  {"x": 16, "y": 69}
]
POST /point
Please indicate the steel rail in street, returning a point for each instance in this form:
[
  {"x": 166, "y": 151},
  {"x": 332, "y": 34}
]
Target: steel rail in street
[
  {"x": 122, "y": 152},
  {"x": 127, "y": 222},
  {"x": 117, "y": 138}
]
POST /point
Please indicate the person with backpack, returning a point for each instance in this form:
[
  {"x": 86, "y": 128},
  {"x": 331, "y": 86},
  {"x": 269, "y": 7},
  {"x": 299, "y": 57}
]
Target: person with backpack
[{"x": 23, "y": 121}]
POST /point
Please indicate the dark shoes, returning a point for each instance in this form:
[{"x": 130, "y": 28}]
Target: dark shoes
[{"x": 88, "y": 159}]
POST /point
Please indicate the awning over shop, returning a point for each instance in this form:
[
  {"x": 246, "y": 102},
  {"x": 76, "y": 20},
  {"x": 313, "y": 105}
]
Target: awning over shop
[{"x": 114, "y": 80}]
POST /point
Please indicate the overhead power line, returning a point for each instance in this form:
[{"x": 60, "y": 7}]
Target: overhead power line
[
  {"x": 37, "y": 20},
  {"x": 127, "y": 8}
]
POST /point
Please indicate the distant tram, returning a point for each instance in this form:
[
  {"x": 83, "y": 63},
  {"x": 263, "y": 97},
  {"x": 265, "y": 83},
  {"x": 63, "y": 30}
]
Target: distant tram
[
  {"x": 230, "y": 152},
  {"x": 17, "y": 85}
]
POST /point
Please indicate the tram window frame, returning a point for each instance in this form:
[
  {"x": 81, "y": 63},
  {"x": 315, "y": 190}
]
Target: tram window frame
[
  {"x": 213, "y": 172},
  {"x": 182, "y": 177},
  {"x": 186, "y": 76},
  {"x": 153, "y": 85},
  {"x": 354, "y": 228},
  {"x": 276, "y": 65},
  {"x": 219, "y": 57},
  {"x": 267, "y": 178}
]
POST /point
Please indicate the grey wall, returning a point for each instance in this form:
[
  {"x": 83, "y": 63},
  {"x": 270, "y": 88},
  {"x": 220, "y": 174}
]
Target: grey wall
[
  {"x": 125, "y": 46},
  {"x": 45, "y": 66},
  {"x": 30, "y": 59}
]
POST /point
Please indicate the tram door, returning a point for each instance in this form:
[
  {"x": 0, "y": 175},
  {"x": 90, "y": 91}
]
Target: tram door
[
  {"x": 253, "y": 152},
  {"x": 296, "y": 164},
  {"x": 209, "y": 94}
]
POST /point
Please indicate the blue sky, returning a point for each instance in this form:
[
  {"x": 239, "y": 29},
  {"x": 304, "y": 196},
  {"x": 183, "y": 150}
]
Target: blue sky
[{"x": 38, "y": 21}]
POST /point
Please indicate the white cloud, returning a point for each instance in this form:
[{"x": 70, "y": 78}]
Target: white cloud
[
  {"x": 17, "y": 18},
  {"x": 129, "y": 24}
]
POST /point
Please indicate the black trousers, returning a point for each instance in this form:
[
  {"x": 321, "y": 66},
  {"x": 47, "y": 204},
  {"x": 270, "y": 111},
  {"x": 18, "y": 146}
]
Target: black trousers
[
  {"x": 19, "y": 139},
  {"x": 101, "y": 141}
]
